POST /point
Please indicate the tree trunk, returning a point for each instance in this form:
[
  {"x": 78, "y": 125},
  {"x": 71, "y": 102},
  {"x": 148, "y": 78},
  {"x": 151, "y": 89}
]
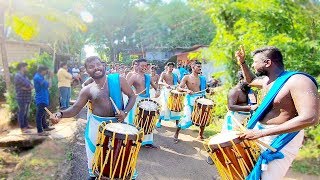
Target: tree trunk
[{"x": 4, "y": 50}]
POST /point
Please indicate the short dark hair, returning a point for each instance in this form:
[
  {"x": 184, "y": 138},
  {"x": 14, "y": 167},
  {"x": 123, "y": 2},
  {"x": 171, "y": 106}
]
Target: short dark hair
[
  {"x": 171, "y": 63},
  {"x": 272, "y": 53},
  {"x": 90, "y": 59},
  {"x": 141, "y": 60},
  {"x": 133, "y": 62},
  {"x": 240, "y": 76},
  {"x": 63, "y": 64},
  {"x": 21, "y": 65},
  {"x": 196, "y": 62},
  {"x": 42, "y": 68}
]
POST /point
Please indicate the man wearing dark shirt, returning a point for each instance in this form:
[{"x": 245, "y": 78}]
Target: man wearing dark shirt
[
  {"x": 23, "y": 88},
  {"x": 41, "y": 86}
]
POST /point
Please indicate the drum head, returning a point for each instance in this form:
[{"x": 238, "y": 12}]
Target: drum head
[
  {"x": 121, "y": 128},
  {"x": 148, "y": 105},
  {"x": 205, "y": 101},
  {"x": 223, "y": 139}
]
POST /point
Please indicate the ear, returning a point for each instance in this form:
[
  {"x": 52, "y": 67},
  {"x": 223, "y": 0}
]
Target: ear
[{"x": 268, "y": 62}]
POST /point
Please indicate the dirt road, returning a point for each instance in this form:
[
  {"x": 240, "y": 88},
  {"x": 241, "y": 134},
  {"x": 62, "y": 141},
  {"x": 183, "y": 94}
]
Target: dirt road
[{"x": 185, "y": 160}]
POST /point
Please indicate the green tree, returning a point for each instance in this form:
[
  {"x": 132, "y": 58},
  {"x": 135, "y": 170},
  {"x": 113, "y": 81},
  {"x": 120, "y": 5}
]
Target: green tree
[{"x": 292, "y": 26}]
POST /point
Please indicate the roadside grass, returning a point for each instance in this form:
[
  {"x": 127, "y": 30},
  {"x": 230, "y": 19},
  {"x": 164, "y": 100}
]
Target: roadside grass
[{"x": 42, "y": 162}]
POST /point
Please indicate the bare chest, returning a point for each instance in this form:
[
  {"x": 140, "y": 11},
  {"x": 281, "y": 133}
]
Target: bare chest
[
  {"x": 193, "y": 84},
  {"x": 168, "y": 79}
]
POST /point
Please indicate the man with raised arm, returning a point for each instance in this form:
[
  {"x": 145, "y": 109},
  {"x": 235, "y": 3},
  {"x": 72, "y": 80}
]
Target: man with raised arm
[
  {"x": 99, "y": 94},
  {"x": 169, "y": 81},
  {"x": 196, "y": 86},
  {"x": 141, "y": 83},
  {"x": 290, "y": 104}
]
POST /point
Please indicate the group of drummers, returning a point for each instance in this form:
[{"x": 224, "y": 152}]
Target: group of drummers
[{"x": 122, "y": 116}]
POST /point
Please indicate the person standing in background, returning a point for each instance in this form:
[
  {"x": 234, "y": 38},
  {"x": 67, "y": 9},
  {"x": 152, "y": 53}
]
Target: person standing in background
[
  {"x": 42, "y": 99},
  {"x": 64, "y": 84},
  {"x": 23, "y": 88}
]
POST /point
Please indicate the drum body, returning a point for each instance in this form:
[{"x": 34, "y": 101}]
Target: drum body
[
  {"x": 234, "y": 158},
  {"x": 117, "y": 149},
  {"x": 202, "y": 113},
  {"x": 147, "y": 115},
  {"x": 175, "y": 101}
]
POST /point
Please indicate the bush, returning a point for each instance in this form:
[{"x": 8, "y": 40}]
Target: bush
[
  {"x": 2, "y": 87},
  {"x": 33, "y": 64},
  {"x": 220, "y": 99}
]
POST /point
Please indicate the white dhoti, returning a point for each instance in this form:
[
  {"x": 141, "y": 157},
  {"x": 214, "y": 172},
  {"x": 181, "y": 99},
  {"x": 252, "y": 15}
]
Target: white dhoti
[
  {"x": 239, "y": 116},
  {"x": 278, "y": 168},
  {"x": 165, "y": 113},
  {"x": 90, "y": 135},
  {"x": 185, "y": 121},
  {"x": 148, "y": 139}
]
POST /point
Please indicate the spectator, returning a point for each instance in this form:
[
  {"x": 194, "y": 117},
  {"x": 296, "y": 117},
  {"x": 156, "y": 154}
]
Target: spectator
[
  {"x": 64, "y": 84},
  {"x": 23, "y": 88},
  {"x": 42, "y": 100},
  {"x": 83, "y": 74},
  {"x": 76, "y": 75}
]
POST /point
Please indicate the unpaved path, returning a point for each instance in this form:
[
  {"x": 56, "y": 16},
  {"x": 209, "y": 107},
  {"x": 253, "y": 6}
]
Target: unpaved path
[{"x": 185, "y": 160}]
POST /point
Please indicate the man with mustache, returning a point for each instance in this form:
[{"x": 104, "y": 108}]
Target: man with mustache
[
  {"x": 99, "y": 93},
  {"x": 196, "y": 85},
  {"x": 141, "y": 83},
  {"x": 291, "y": 103}
]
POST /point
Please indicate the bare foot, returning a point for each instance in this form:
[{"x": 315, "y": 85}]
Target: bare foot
[
  {"x": 200, "y": 138},
  {"x": 175, "y": 139}
]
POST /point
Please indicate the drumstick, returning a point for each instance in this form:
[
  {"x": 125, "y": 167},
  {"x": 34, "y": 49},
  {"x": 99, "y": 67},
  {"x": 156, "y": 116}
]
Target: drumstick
[
  {"x": 50, "y": 113},
  {"x": 199, "y": 91},
  {"x": 115, "y": 106},
  {"x": 142, "y": 91},
  {"x": 243, "y": 129}
]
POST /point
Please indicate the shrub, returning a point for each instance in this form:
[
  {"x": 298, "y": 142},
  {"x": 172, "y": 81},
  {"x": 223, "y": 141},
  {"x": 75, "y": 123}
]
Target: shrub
[
  {"x": 2, "y": 87},
  {"x": 33, "y": 64}
]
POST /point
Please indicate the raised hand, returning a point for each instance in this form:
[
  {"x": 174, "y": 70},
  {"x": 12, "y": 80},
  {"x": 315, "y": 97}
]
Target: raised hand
[{"x": 240, "y": 55}]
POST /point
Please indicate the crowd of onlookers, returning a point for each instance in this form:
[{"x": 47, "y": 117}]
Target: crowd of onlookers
[{"x": 67, "y": 77}]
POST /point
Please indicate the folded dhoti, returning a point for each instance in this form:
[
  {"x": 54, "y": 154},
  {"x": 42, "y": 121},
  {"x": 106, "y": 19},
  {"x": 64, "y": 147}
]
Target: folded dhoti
[
  {"x": 165, "y": 113},
  {"x": 231, "y": 116},
  {"x": 90, "y": 135},
  {"x": 278, "y": 168},
  {"x": 185, "y": 121}
]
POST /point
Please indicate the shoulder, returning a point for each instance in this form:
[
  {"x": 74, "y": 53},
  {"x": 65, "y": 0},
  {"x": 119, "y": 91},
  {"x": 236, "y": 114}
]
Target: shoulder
[{"x": 301, "y": 81}]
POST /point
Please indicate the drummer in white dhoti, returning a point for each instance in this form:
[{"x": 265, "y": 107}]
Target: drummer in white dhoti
[
  {"x": 196, "y": 86},
  {"x": 169, "y": 81},
  {"x": 242, "y": 102},
  {"x": 141, "y": 83},
  {"x": 99, "y": 93}
]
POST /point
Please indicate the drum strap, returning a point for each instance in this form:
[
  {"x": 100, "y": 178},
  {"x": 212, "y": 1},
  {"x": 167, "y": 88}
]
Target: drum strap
[
  {"x": 281, "y": 140},
  {"x": 147, "y": 85},
  {"x": 115, "y": 90},
  {"x": 175, "y": 79}
]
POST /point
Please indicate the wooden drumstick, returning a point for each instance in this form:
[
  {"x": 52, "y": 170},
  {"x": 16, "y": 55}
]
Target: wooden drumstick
[
  {"x": 243, "y": 129},
  {"x": 115, "y": 106},
  {"x": 199, "y": 91},
  {"x": 50, "y": 113},
  {"x": 142, "y": 91}
]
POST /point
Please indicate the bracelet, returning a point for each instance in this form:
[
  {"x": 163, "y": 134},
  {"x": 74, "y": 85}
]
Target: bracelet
[{"x": 61, "y": 114}]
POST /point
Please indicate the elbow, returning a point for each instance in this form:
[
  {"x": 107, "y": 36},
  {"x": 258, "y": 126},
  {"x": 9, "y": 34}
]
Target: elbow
[{"x": 311, "y": 121}]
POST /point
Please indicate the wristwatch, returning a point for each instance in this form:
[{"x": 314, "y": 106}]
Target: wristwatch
[{"x": 126, "y": 112}]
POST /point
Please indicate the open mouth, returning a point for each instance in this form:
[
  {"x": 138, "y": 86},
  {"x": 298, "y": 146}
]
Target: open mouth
[{"x": 98, "y": 72}]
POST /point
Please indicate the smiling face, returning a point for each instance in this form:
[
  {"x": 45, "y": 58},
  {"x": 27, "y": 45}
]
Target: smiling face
[
  {"x": 142, "y": 67},
  {"x": 197, "y": 68},
  {"x": 95, "y": 68}
]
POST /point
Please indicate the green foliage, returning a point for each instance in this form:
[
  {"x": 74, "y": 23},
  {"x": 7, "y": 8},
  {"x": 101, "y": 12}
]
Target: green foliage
[
  {"x": 292, "y": 26},
  {"x": 220, "y": 100},
  {"x": 308, "y": 160},
  {"x": 33, "y": 64},
  {"x": 2, "y": 87}
]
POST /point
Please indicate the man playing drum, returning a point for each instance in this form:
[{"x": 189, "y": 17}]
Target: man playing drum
[
  {"x": 154, "y": 78},
  {"x": 99, "y": 93},
  {"x": 133, "y": 71},
  {"x": 241, "y": 103},
  {"x": 291, "y": 104},
  {"x": 169, "y": 81},
  {"x": 196, "y": 86},
  {"x": 141, "y": 83}
]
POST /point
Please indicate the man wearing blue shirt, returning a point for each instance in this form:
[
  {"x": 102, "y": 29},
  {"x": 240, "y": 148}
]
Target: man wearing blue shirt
[{"x": 41, "y": 86}]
